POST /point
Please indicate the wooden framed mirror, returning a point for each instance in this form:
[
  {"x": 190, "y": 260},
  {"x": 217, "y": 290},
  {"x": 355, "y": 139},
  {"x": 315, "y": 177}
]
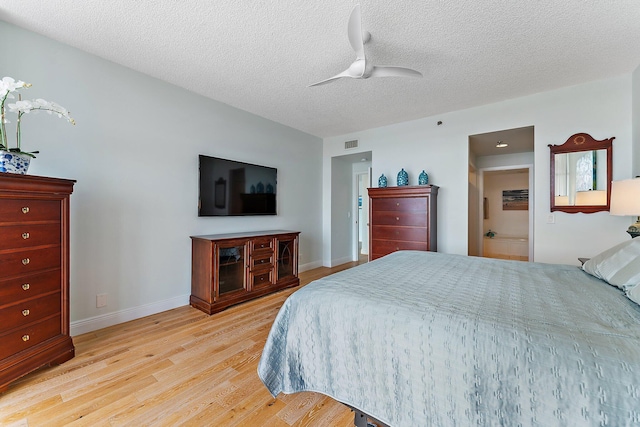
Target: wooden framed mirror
[{"x": 581, "y": 172}]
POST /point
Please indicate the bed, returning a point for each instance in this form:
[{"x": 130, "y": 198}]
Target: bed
[{"x": 429, "y": 339}]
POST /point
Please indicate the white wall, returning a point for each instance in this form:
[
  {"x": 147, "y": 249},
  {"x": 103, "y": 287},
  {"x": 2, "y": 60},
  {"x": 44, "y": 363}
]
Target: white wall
[
  {"x": 636, "y": 121},
  {"x": 134, "y": 154},
  {"x": 602, "y": 109},
  {"x": 505, "y": 160},
  {"x": 341, "y": 211}
]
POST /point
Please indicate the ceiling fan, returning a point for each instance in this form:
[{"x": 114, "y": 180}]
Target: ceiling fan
[{"x": 361, "y": 69}]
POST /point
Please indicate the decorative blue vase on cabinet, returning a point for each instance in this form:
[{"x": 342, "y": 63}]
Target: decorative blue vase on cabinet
[
  {"x": 382, "y": 181},
  {"x": 403, "y": 178},
  {"x": 423, "y": 178}
]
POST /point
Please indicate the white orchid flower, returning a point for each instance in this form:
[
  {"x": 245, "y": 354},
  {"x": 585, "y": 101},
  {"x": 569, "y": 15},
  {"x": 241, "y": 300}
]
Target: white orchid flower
[
  {"x": 8, "y": 84},
  {"x": 35, "y": 105},
  {"x": 21, "y": 107}
]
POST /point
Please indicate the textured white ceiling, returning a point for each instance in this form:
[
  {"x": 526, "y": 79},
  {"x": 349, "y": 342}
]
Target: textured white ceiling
[{"x": 260, "y": 56}]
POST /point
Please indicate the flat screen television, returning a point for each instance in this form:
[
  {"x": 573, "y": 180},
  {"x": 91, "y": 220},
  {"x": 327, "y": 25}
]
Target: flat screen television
[{"x": 229, "y": 188}]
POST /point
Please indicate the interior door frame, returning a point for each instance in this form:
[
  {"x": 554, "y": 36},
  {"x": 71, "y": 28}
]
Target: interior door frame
[{"x": 480, "y": 173}]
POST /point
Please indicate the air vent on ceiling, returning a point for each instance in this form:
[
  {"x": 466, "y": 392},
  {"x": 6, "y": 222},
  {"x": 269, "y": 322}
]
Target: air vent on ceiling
[{"x": 351, "y": 144}]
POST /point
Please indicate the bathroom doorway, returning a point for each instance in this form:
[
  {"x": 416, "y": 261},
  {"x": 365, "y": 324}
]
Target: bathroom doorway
[{"x": 500, "y": 198}]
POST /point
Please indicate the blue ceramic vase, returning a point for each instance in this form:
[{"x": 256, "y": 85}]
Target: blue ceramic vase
[
  {"x": 382, "y": 181},
  {"x": 403, "y": 178},
  {"x": 14, "y": 162},
  {"x": 423, "y": 178}
]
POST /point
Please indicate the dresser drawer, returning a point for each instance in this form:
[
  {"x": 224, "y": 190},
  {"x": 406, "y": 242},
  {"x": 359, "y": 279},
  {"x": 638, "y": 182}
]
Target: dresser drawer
[
  {"x": 26, "y": 235},
  {"x": 412, "y": 234},
  {"x": 400, "y": 204},
  {"x": 261, "y": 260},
  {"x": 29, "y": 336},
  {"x": 261, "y": 243},
  {"x": 21, "y": 210},
  {"x": 29, "y": 311},
  {"x": 17, "y": 289},
  {"x": 388, "y": 246},
  {"x": 408, "y": 219},
  {"x": 29, "y": 260}
]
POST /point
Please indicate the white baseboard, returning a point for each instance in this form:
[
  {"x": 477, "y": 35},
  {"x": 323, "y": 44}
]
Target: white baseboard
[
  {"x": 341, "y": 261},
  {"x": 309, "y": 266},
  {"x": 109, "y": 319}
]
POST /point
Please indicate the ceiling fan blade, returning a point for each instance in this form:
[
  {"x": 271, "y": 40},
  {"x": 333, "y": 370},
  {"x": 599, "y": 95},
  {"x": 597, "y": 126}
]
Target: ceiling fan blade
[
  {"x": 355, "y": 32},
  {"x": 394, "y": 72},
  {"x": 345, "y": 73}
]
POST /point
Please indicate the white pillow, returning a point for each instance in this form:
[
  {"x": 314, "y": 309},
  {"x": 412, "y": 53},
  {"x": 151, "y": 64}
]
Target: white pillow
[
  {"x": 634, "y": 294},
  {"x": 619, "y": 266}
]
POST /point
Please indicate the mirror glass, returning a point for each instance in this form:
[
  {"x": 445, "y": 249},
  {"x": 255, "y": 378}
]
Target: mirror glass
[
  {"x": 581, "y": 174},
  {"x": 581, "y": 178}
]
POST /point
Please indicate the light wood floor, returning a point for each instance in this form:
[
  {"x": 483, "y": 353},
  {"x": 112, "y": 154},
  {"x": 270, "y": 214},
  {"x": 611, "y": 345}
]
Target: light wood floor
[{"x": 179, "y": 367}]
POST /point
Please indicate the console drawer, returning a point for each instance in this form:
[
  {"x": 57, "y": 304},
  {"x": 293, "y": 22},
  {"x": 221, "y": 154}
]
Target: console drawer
[
  {"x": 261, "y": 243},
  {"x": 261, "y": 260},
  {"x": 26, "y": 235},
  {"x": 260, "y": 279},
  {"x": 21, "y": 210}
]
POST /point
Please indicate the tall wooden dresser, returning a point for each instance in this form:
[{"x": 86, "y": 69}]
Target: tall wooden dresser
[
  {"x": 402, "y": 218},
  {"x": 34, "y": 274}
]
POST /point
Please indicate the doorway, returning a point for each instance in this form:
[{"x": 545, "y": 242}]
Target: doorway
[
  {"x": 344, "y": 224},
  {"x": 506, "y": 212},
  {"x": 500, "y": 194}
]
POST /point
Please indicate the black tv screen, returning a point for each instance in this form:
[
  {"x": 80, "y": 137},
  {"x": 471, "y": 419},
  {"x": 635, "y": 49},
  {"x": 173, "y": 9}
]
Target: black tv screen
[{"x": 229, "y": 188}]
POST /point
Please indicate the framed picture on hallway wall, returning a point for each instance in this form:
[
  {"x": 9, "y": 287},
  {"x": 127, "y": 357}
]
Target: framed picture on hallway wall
[{"x": 515, "y": 200}]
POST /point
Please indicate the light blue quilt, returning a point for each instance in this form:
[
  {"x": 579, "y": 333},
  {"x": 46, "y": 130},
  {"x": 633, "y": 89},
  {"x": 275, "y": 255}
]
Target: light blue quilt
[{"x": 429, "y": 339}]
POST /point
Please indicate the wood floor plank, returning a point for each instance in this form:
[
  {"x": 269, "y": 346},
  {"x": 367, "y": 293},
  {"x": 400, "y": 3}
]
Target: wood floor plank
[
  {"x": 298, "y": 408},
  {"x": 180, "y": 367}
]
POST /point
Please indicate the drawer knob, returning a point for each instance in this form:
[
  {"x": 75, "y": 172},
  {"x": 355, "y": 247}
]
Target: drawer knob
[
  {"x": 261, "y": 261},
  {"x": 26, "y": 261},
  {"x": 25, "y": 313},
  {"x": 25, "y": 338},
  {"x": 25, "y": 236},
  {"x": 25, "y": 286},
  {"x": 397, "y": 218},
  {"x": 398, "y": 204},
  {"x": 25, "y": 209},
  {"x": 262, "y": 245}
]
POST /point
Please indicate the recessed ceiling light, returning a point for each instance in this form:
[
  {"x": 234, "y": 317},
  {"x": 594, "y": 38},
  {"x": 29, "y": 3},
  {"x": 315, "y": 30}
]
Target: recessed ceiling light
[{"x": 501, "y": 144}]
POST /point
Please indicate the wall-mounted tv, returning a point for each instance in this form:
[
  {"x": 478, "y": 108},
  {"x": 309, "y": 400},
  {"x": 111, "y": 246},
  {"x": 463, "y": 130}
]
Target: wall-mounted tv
[{"x": 230, "y": 188}]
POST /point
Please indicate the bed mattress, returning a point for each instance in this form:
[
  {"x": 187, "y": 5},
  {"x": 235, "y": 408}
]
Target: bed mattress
[{"x": 428, "y": 339}]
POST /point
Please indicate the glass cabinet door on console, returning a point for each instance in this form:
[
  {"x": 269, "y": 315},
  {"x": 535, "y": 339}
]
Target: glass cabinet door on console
[
  {"x": 231, "y": 269},
  {"x": 286, "y": 260}
]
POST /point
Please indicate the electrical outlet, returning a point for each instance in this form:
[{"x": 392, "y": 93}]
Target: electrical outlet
[
  {"x": 101, "y": 300},
  {"x": 551, "y": 219}
]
